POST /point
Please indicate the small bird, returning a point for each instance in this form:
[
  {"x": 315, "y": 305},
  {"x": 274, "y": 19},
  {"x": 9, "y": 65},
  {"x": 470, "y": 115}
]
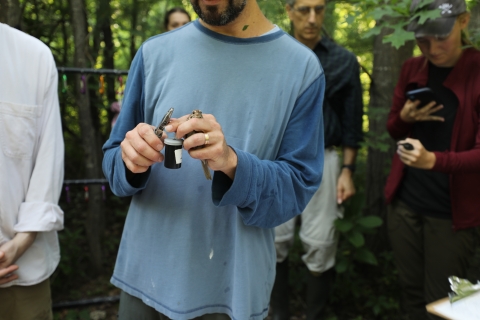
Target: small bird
[{"x": 198, "y": 114}]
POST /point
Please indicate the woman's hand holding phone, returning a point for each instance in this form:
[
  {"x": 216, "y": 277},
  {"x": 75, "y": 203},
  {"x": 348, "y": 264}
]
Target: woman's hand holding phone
[{"x": 412, "y": 113}]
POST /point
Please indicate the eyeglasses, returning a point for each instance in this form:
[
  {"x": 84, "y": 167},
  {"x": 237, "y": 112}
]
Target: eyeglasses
[{"x": 305, "y": 10}]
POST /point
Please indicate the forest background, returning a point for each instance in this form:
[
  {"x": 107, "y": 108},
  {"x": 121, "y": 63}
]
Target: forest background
[{"x": 105, "y": 34}]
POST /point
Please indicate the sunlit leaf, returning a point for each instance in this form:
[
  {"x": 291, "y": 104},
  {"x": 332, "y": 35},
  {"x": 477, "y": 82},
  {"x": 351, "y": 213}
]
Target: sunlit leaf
[
  {"x": 399, "y": 37},
  {"x": 375, "y": 31}
]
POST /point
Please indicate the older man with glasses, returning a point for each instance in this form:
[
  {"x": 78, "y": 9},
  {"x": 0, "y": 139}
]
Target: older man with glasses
[{"x": 343, "y": 111}]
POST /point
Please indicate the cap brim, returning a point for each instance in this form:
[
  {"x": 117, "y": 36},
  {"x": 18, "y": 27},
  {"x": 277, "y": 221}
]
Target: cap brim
[{"x": 440, "y": 27}]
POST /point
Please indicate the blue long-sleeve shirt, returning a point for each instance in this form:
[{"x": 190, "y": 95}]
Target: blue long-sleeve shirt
[{"x": 192, "y": 246}]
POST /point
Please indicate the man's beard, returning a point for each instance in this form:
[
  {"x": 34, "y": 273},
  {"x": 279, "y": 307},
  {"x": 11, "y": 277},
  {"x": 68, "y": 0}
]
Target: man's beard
[{"x": 213, "y": 17}]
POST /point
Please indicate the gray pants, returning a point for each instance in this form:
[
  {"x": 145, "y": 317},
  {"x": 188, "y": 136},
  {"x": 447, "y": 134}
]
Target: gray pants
[
  {"x": 132, "y": 308},
  {"x": 318, "y": 234}
]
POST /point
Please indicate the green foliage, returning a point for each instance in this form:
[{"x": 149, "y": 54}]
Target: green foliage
[
  {"x": 353, "y": 228},
  {"x": 370, "y": 222},
  {"x": 380, "y": 142},
  {"x": 399, "y": 37},
  {"x": 72, "y": 257},
  {"x": 371, "y": 291},
  {"x": 74, "y": 270},
  {"x": 274, "y": 10},
  {"x": 366, "y": 281},
  {"x": 395, "y": 15}
]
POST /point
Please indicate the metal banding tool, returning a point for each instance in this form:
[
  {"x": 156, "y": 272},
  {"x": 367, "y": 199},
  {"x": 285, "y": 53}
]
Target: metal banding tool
[{"x": 166, "y": 119}]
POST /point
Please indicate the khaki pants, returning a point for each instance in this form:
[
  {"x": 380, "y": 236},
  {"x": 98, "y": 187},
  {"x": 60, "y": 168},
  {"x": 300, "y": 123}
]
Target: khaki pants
[
  {"x": 26, "y": 302},
  {"x": 132, "y": 308},
  {"x": 426, "y": 252},
  {"x": 317, "y": 231}
]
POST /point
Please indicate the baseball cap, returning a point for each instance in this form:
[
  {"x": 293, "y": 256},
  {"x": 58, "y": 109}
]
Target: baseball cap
[{"x": 439, "y": 27}]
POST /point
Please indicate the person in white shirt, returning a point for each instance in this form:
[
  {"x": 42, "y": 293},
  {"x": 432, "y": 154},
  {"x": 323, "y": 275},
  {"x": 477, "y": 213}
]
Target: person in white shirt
[{"x": 31, "y": 175}]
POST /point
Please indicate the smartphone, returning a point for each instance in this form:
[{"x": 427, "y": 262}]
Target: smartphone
[{"x": 425, "y": 95}]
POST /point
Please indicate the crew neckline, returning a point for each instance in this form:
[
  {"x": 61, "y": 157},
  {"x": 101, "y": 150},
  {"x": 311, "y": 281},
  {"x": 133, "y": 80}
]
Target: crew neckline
[{"x": 269, "y": 36}]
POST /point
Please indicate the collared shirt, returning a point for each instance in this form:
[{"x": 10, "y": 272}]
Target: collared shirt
[
  {"x": 32, "y": 152},
  {"x": 343, "y": 105}
]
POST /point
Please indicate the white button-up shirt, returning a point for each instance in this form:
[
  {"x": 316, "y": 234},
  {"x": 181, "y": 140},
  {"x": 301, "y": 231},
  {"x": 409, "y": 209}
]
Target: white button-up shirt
[{"x": 32, "y": 152}]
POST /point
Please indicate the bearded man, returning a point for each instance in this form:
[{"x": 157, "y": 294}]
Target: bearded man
[{"x": 194, "y": 248}]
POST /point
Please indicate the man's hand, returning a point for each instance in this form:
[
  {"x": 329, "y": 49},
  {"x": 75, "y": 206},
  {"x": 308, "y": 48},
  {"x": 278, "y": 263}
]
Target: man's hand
[
  {"x": 345, "y": 186},
  {"x": 219, "y": 156},
  {"x": 141, "y": 148},
  {"x": 10, "y": 251},
  {"x": 419, "y": 157},
  {"x": 411, "y": 114},
  {"x": 6, "y": 273}
]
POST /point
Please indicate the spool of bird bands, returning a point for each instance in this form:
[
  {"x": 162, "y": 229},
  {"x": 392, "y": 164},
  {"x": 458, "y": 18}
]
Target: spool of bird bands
[{"x": 173, "y": 153}]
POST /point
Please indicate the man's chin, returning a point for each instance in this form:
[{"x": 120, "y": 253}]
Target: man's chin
[
  {"x": 310, "y": 36},
  {"x": 216, "y": 15}
]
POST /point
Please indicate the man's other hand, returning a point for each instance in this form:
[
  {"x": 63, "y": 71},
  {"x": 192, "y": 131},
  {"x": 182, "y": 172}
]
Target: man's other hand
[
  {"x": 345, "y": 186},
  {"x": 219, "y": 156},
  {"x": 141, "y": 148}
]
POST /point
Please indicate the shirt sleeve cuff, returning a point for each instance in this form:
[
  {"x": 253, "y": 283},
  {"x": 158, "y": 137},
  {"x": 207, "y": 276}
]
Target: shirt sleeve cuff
[
  {"x": 124, "y": 186},
  {"x": 440, "y": 162},
  {"x": 39, "y": 217},
  {"x": 228, "y": 192}
]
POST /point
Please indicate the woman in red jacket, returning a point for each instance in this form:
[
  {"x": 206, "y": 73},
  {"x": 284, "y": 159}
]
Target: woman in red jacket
[{"x": 433, "y": 188}]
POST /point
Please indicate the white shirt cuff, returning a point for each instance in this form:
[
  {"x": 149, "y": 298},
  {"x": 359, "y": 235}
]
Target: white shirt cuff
[{"x": 39, "y": 217}]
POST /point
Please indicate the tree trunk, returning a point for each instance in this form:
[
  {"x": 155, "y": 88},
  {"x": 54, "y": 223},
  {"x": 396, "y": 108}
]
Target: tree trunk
[
  {"x": 10, "y": 13},
  {"x": 90, "y": 138},
  {"x": 133, "y": 26},
  {"x": 387, "y": 62},
  {"x": 104, "y": 25}
]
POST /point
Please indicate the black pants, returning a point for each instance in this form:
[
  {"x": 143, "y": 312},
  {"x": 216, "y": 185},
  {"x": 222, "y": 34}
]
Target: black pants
[
  {"x": 426, "y": 252},
  {"x": 132, "y": 308}
]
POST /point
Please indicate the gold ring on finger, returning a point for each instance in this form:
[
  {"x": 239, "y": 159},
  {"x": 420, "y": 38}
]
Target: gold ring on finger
[{"x": 207, "y": 138}]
